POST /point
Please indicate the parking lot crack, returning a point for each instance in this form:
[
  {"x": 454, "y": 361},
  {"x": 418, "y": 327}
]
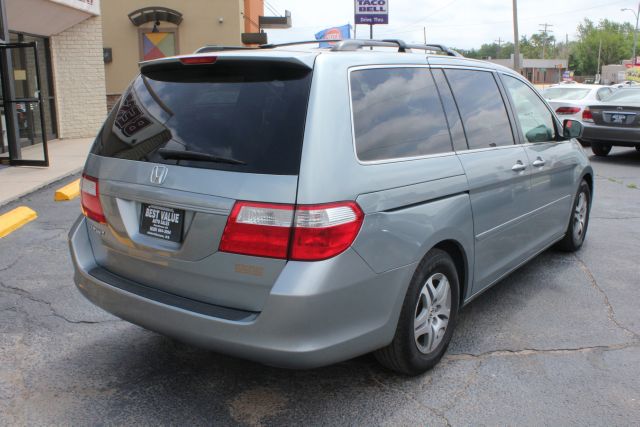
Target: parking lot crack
[
  {"x": 438, "y": 413},
  {"x": 53, "y": 313},
  {"x": 533, "y": 351},
  {"x": 610, "y": 311}
]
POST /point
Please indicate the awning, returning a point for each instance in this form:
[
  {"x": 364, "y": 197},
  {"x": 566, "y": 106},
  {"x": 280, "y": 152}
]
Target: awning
[{"x": 48, "y": 17}]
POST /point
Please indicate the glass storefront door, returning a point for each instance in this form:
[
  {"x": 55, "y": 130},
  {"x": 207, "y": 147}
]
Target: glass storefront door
[{"x": 25, "y": 109}]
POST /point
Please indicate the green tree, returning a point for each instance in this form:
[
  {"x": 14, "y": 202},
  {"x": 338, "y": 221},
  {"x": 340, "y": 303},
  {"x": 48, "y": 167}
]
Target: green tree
[{"x": 613, "y": 40}]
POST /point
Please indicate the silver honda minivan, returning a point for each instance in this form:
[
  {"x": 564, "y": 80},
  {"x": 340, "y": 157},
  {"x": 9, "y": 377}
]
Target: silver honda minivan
[{"x": 300, "y": 206}]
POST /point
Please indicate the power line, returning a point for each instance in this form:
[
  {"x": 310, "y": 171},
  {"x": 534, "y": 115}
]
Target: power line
[
  {"x": 545, "y": 32},
  {"x": 271, "y": 8}
]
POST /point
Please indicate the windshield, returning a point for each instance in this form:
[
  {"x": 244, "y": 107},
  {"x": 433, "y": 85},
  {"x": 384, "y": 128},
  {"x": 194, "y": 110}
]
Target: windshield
[
  {"x": 627, "y": 95},
  {"x": 565, "y": 93},
  {"x": 229, "y": 116}
]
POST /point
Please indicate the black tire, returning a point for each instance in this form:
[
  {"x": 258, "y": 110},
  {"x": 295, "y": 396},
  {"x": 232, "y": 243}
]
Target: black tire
[
  {"x": 572, "y": 242},
  {"x": 600, "y": 149},
  {"x": 403, "y": 355},
  {"x": 584, "y": 142}
]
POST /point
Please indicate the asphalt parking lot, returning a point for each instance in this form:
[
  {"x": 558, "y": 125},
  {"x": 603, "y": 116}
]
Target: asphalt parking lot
[{"x": 556, "y": 343}]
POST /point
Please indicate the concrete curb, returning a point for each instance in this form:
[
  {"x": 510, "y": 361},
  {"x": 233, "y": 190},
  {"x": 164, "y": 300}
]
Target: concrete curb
[{"x": 40, "y": 185}]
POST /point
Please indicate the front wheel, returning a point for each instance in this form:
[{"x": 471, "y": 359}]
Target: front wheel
[
  {"x": 600, "y": 149},
  {"x": 427, "y": 319},
  {"x": 577, "y": 229}
]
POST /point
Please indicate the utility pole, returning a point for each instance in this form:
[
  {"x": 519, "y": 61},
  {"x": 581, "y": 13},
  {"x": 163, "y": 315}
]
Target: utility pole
[
  {"x": 599, "y": 52},
  {"x": 424, "y": 29},
  {"x": 499, "y": 43},
  {"x": 516, "y": 38},
  {"x": 544, "y": 34},
  {"x": 635, "y": 32}
]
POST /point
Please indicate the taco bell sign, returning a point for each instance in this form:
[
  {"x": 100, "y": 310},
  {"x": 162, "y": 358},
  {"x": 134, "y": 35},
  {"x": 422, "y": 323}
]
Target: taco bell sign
[{"x": 372, "y": 12}]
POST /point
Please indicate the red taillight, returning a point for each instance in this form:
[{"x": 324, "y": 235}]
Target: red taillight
[
  {"x": 587, "y": 116},
  {"x": 568, "y": 110},
  {"x": 305, "y": 233},
  {"x": 90, "y": 199},
  {"x": 258, "y": 229},
  {"x": 196, "y": 60},
  {"x": 324, "y": 231}
]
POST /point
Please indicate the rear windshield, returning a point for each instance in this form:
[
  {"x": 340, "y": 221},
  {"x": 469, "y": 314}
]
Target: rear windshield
[
  {"x": 565, "y": 93},
  {"x": 627, "y": 95},
  {"x": 234, "y": 116}
]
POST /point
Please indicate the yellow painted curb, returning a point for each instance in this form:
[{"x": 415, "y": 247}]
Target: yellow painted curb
[
  {"x": 68, "y": 192},
  {"x": 15, "y": 219}
]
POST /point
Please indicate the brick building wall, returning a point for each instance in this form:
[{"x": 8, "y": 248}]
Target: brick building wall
[{"x": 79, "y": 82}]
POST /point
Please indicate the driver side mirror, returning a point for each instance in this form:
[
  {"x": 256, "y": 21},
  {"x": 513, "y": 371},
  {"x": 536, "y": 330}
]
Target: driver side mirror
[{"x": 572, "y": 129}]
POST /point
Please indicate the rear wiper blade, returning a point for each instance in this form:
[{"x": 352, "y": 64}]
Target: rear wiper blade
[{"x": 168, "y": 154}]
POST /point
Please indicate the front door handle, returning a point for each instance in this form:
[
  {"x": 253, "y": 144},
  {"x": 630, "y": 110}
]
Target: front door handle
[
  {"x": 539, "y": 162},
  {"x": 518, "y": 167}
]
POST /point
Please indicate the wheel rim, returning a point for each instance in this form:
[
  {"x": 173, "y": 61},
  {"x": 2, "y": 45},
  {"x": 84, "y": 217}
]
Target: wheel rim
[
  {"x": 580, "y": 216},
  {"x": 432, "y": 313}
]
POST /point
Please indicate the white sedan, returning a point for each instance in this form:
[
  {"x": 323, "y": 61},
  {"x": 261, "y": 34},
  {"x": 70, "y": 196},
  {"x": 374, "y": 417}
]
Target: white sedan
[{"x": 569, "y": 101}]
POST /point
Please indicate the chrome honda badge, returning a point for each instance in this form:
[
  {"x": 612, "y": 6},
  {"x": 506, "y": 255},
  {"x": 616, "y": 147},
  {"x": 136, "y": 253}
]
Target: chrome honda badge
[{"x": 158, "y": 174}]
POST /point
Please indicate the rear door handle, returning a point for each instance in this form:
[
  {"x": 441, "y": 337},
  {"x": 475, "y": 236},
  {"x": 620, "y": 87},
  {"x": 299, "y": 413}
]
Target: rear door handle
[
  {"x": 518, "y": 167},
  {"x": 539, "y": 162}
]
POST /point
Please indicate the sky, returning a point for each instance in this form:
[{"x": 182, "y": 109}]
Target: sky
[{"x": 463, "y": 24}]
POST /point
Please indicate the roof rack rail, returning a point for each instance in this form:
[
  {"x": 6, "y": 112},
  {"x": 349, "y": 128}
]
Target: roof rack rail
[
  {"x": 354, "y": 44},
  {"x": 271, "y": 46},
  {"x": 218, "y": 48},
  {"x": 341, "y": 46}
]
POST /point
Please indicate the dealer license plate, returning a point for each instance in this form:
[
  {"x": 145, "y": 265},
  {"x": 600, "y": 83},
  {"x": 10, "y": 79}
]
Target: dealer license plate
[{"x": 161, "y": 222}]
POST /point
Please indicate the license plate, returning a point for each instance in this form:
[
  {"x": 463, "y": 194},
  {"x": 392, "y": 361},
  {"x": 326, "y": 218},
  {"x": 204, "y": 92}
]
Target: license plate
[
  {"x": 162, "y": 223},
  {"x": 618, "y": 118}
]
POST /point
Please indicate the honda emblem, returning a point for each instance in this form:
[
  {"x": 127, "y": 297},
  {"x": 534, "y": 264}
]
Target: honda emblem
[{"x": 158, "y": 174}]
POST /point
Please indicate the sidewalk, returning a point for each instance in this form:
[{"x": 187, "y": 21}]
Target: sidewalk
[{"x": 66, "y": 157}]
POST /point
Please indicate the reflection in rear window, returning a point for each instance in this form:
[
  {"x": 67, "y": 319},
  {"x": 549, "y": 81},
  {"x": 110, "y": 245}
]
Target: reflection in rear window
[
  {"x": 565, "y": 93},
  {"x": 397, "y": 113},
  {"x": 253, "y": 114},
  {"x": 627, "y": 95}
]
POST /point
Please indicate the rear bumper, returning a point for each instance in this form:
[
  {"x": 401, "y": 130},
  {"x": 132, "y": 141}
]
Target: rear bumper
[
  {"x": 615, "y": 135},
  {"x": 316, "y": 314}
]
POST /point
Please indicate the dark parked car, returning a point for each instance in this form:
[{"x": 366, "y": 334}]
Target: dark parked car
[{"x": 614, "y": 122}]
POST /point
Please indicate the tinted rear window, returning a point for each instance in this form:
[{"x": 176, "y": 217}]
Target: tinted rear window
[
  {"x": 253, "y": 113},
  {"x": 397, "y": 113}
]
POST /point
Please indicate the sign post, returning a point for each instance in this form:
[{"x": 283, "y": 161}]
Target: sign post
[{"x": 371, "y": 12}]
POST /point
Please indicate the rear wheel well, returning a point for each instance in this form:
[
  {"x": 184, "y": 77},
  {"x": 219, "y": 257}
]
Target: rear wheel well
[
  {"x": 456, "y": 253},
  {"x": 589, "y": 180}
]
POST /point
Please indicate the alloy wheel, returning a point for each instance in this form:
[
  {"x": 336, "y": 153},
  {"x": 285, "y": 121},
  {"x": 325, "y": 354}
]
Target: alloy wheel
[{"x": 432, "y": 313}]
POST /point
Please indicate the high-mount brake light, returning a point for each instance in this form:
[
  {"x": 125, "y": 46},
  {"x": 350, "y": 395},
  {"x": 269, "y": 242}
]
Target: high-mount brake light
[
  {"x": 90, "y": 199},
  {"x": 587, "y": 116},
  {"x": 198, "y": 60},
  {"x": 302, "y": 232}
]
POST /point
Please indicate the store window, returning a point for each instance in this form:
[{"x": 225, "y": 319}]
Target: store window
[{"x": 157, "y": 43}]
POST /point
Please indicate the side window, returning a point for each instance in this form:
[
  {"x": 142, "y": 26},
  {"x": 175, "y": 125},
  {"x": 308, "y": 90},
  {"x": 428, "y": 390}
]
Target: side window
[
  {"x": 483, "y": 112},
  {"x": 397, "y": 113},
  {"x": 453, "y": 117},
  {"x": 536, "y": 121}
]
